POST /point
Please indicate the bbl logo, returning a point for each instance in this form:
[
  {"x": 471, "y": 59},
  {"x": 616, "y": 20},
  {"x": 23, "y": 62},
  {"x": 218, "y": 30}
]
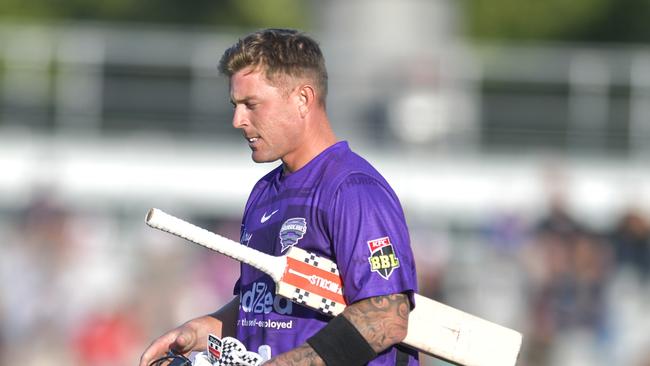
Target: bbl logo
[
  {"x": 382, "y": 257},
  {"x": 292, "y": 230}
]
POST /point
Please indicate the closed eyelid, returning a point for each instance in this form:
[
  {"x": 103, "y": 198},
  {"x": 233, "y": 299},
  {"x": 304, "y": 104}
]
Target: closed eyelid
[{"x": 247, "y": 102}]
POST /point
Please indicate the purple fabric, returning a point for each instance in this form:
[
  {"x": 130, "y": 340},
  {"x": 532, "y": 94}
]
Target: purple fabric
[{"x": 337, "y": 206}]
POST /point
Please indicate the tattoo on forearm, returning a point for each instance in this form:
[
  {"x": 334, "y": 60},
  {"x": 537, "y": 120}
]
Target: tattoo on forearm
[
  {"x": 381, "y": 320},
  {"x": 301, "y": 356}
]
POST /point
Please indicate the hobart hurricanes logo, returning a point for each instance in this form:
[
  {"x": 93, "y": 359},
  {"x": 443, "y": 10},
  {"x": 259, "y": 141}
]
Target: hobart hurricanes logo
[
  {"x": 291, "y": 231},
  {"x": 382, "y": 257}
]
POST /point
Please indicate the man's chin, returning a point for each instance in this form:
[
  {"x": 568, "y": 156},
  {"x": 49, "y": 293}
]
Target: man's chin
[{"x": 263, "y": 159}]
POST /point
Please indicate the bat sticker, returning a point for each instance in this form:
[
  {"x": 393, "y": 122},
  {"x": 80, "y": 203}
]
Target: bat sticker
[{"x": 214, "y": 348}]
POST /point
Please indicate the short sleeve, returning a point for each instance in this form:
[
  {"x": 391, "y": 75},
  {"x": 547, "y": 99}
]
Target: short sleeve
[
  {"x": 237, "y": 287},
  {"x": 371, "y": 240}
]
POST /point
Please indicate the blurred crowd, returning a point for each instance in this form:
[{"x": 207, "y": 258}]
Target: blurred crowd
[
  {"x": 82, "y": 287},
  {"x": 572, "y": 270}
]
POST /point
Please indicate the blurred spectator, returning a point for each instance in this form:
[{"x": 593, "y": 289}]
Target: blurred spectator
[
  {"x": 431, "y": 249},
  {"x": 631, "y": 241},
  {"x": 505, "y": 231},
  {"x": 569, "y": 270},
  {"x": 32, "y": 263},
  {"x": 111, "y": 338},
  {"x": 58, "y": 269}
]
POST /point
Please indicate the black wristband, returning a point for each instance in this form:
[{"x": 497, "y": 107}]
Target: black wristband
[{"x": 339, "y": 343}]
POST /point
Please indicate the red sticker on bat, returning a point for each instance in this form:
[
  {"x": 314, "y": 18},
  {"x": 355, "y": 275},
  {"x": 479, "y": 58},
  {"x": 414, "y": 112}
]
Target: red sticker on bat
[{"x": 313, "y": 280}]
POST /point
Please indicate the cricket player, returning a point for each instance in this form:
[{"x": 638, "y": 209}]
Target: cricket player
[{"x": 323, "y": 198}]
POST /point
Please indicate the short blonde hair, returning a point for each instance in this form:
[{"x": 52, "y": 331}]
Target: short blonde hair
[{"x": 280, "y": 53}]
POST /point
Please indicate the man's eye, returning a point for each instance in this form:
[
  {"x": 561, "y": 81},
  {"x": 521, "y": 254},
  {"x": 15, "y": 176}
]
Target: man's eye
[{"x": 251, "y": 105}]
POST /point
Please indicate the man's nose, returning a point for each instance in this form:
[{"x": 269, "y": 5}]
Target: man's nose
[{"x": 239, "y": 118}]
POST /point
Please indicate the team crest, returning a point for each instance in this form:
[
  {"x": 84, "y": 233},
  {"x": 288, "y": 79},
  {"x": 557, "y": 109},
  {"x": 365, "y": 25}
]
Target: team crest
[
  {"x": 382, "y": 257},
  {"x": 292, "y": 230}
]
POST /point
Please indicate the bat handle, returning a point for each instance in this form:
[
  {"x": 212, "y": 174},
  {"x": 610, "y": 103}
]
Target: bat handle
[{"x": 271, "y": 265}]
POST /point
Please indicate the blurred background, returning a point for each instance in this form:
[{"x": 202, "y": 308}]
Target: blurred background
[{"x": 515, "y": 132}]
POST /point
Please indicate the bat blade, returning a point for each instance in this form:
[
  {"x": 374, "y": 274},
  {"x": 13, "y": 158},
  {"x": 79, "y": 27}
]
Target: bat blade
[
  {"x": 458, "y": 337},
  {"x": 434, "y": 328}
]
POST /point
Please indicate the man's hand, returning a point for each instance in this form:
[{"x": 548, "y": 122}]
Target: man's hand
[
  {"x": 183, "y": 340},
  {"x": 192, "y": 336}
]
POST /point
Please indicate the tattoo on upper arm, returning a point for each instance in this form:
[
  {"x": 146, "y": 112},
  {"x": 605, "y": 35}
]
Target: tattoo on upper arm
[
  {"x": 381, "y": 320},
  {"x": 301, "y": 356}
]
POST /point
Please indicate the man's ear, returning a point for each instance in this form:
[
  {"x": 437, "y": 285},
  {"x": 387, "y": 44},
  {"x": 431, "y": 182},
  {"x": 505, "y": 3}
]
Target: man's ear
[{"x": 306, "y": 99}]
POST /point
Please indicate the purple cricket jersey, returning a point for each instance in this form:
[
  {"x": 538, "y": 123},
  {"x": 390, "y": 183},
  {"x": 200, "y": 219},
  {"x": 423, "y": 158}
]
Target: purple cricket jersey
[{"x": 337, "y": 206}]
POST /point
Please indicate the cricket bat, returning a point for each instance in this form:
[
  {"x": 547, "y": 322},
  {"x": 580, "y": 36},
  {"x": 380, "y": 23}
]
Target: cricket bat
[{"x": 307, "y": 279}]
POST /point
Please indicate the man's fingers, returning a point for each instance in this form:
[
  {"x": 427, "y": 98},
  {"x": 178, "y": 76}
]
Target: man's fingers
[
  {"x": 160, "y": 346},
  {"x": 184, "y": 342},
  {"x": 148, "y": 356},
  {"x": 181, "y": 342}
]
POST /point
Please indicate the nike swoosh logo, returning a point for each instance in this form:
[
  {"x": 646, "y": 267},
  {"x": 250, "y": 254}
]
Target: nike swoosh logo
[{"x": 266, "y": 218}]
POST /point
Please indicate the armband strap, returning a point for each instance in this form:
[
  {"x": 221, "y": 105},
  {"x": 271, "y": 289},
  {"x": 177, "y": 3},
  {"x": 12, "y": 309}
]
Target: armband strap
[{"x": 339, "y": 343}]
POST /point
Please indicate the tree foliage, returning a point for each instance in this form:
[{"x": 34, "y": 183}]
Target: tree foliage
[
  {"x": 228, "y": 13},
  {"x": 567, "y": 20},
  {"x": 574, "y": 20}
]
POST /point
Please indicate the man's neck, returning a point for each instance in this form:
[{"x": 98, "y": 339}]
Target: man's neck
[{"x": 316, "y": 140}]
